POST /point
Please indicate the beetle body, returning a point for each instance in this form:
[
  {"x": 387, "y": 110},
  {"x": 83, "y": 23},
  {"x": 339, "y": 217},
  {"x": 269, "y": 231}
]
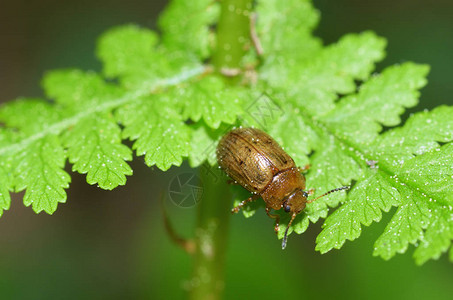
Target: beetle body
[{"x": 254, "y": 160}]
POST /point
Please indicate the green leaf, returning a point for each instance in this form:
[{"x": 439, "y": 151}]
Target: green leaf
[
  {"x": 298, "y": 144},
  {"x": 7, "y": 136},
  {"x": 94, "y": 143},
  {"x": 343, "y": 136},
  {"x": 203, "y": 144},
  {"x": 373, "y": 193},
  {"x": 77, "y": 89},
  {"x": 321, "y": 103},
  {"x": 211, "y": 100},
  {"x": 381, "y": 100},
  {"x": 158, "y": 130},
  {"x": 330, "y": 169},
  {"x": 132, "y": 54},
  {"x": 284, "y": 29},
  {"x": 312, "y": 84},
  {"x": 406, "y": 225},
  {"x": 126, "y": 50},
  {"x": 5, "y": 186},
  {"x": 420, "y": 134},
  {"x": 431, "y": 178},
  {"x": 39, "y": 170},
  {"x": 438, "y": 236},
  {"x": 94, "y": 148},
  {"x": 399, "y": 178},
  {"x": 29, "y": 115},
  {"x": 183, "y": 19},
  {"x": 5, "y": 198},
  {"x": 78, "y": 118}
]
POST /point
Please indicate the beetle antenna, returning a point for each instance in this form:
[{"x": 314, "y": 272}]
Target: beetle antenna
[
  {"x": 286, "y": 231},
  {"x": 347, "y": 187}
]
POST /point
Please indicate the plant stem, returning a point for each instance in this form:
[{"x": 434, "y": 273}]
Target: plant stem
[
  {"x": 211, "y": 237},
  {"x": 233, "y": 34}
]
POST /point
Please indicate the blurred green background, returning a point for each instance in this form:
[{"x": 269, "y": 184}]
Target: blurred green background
[{"x": 112, "y": 245}]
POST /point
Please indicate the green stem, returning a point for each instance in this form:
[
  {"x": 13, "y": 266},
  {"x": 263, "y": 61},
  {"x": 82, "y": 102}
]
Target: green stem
[
  {"x": 211, "y": 237},
  {"x": 233, "y": 34}
]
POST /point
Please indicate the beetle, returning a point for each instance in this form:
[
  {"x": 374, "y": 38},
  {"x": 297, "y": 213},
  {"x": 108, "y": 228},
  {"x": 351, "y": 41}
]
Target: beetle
[{"x": 253, "y": 159}]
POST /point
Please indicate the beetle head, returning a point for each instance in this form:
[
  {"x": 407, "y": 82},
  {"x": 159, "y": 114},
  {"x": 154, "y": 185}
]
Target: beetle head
[{"x": 296, "y": 202}]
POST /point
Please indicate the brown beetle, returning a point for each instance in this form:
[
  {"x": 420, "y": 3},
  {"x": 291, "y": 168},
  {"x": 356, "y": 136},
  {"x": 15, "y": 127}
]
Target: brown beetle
[{"x": 254, "y": 160}]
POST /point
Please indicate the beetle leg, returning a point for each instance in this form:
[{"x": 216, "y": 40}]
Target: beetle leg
[
  {"x": 304, "y": 168},
  {"x": 240, "y": 205},
  {"x": 311, "y": 191},
  {"x": 231, "y": 181},
  {"x": 276, "y": 217}
]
